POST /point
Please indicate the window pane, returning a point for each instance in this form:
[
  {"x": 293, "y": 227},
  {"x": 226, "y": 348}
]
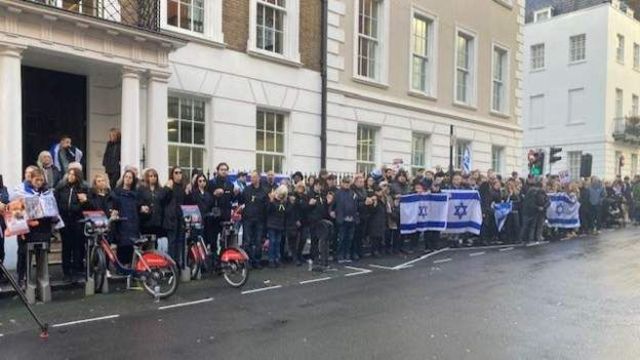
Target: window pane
[
  {"x": 198, "y": 134},
  {"x": 174, "y": 111},
  {"x": 185, "y": 16},
  {"x": 173, "y": 130},
  {"x": 280, "y": 123},
  {"x": 270, "y": 118},
  {"x": 186, "y": 112},
  {"x": 186, "y": 135},
  {"x": 173, "y": 155},
  {"x": 270, "y": 146},
  {"x": 172, "y": 12},
  {"x": 280, "y": 143},
  {"x": 184, "y": 156},
  {"x": 260, "y": 141},
  {"x": 198, "y": 158},
  {"x": 198, "y": 19},
  {"x": 198, "y": 111}
]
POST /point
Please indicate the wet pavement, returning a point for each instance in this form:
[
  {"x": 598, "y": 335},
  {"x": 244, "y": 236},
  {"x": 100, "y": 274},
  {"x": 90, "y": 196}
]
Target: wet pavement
[{"x": 574, "y": 299}]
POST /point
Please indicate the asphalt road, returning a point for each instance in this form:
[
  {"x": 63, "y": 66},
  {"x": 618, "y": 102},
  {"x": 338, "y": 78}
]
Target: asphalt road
[{"x": 574, "y": 299}]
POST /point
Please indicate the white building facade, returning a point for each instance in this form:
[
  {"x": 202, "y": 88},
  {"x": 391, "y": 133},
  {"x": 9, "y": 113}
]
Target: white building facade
[{"x": 582, "y": 83}]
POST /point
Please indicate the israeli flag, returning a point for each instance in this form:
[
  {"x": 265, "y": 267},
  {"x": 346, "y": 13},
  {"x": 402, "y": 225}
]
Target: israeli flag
[
  {"x": 466, "y": 160},
  {"x": 423, "y": 212},
  {"x": 500, "y": 213},
  {"x": 465, "y": 213},
  {"x": 564, "y": 211}
]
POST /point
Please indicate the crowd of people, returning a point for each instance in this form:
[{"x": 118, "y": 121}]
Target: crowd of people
[{"x": 345, "y": 217}]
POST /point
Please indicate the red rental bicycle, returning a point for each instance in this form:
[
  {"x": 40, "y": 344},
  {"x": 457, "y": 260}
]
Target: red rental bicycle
[
  {"x": 157, "y": 271},
  {"x": 232, "y": 260}
]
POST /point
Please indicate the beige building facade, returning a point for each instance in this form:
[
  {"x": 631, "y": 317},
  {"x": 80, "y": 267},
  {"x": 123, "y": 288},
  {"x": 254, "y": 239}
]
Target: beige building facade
[{"x": 401, "y": 72}]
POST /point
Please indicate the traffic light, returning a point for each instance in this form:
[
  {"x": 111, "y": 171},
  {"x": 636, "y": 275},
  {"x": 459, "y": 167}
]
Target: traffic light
[{"x": 552, "y": 155}]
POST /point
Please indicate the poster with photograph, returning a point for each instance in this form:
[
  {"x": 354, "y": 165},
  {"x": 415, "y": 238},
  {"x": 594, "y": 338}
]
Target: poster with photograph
[
  {"x": 41, "y": 206},
  {"x": 98, "y": 218},
  {"x": 15, "y": 218},
  {"x": 192, "y": 212}
]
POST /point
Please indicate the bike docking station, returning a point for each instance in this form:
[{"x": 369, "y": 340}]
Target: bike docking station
[{"x": 38, "y": 286}]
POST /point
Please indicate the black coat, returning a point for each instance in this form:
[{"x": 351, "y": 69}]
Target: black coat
[
  {"x": 156, "y": 200},
  {"x": 111, "y": 158},
  {"x": 69, "y": 205},
  {"x": 172, "y": 211},
  {"x": 255, "y": 203},
  {"x": 127, "y": 202},
  {"x": 276, "y": 215},
  {"x": 101, "y": 202},
  {"x": 319, "y": 211},
  {"x": 224, "y": 201},
  {"x": 293, "y": 214},
  {"x": 377, "y": 223},
  {"x": 203, "y": 200}
]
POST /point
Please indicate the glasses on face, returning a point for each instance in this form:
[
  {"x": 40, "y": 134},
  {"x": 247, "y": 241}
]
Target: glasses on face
[
  {"x": 201, "y": 181},
  {"x": 153, "y": 175},
  {"x": 177, "y": 172}
]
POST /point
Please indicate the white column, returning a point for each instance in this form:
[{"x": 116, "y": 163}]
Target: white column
[
  {"x": 10, "y": 114},
  {"x": 157, "y": 149},
  {"x": 131, "y": 146}
]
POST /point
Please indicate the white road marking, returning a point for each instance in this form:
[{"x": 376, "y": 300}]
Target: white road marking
[
  {"x": 188, "y": 303},
  {"x": 537, "y": 243},
  {"x": 261, "y": 289},
  {"x": 360, "y": 271},
  {"x": 507, "y": 249},
  {"x": 401, "y": 266},
  {"x": 441, "y": 261},
  {"x": 380, "y": 267},
  {"x": 314, "y": 280},
  {"x": 86, "y": 321},
  {"x": 477, "y": 253},
  {"x": 483, "y": 247}
]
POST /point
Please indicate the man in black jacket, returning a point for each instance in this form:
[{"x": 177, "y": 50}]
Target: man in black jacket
[
  {"x": 223, "y": 196},
  {"x": 254, "y": 199},
  {"x": 111, "y": 158}
]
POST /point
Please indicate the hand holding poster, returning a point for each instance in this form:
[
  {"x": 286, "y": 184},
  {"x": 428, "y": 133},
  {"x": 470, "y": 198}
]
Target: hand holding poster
[{"x": 41, "y": 206}]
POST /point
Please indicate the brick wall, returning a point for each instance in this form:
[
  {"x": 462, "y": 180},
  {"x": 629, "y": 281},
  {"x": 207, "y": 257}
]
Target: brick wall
[{"x": 235, "y": 18}]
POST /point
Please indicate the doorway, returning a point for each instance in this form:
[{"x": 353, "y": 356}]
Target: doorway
[{"x": 53, "y": 104}]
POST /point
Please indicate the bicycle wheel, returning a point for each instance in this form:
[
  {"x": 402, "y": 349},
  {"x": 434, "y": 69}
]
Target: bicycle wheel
[
  {"x": 236, "y": 273},
  {"x": 195, "y": 267},
  {"x": 98, "y": 268},
  {"x": 162, "y": 278}
]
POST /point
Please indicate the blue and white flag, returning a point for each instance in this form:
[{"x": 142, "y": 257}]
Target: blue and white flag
[
  {"x": 423, "y": 212},
  {"x": 465, "y": 213},
  {"x": 500, "y": 213},
  {"x": 564, "y": 212},
  {"x": 466, "y": 160}
]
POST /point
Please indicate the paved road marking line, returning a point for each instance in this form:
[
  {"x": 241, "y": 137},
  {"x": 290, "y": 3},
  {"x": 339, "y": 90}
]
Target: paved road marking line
[
  {"x": 484, "y": 247},
  {"x": 314, "y": 280},
  {"x": 380, "y": 267},
  {"x": 537, "y": 243},
  {"x": 201, "y": 301},
  {"x": 261, "y": 289},
  {"x": 441, "y": 261},
  {"x": 507, "y": 249},
  {"x": 86, "y": 321},
  {"x": 420, "y": 258},
  {"x": 477, "y": 253},
  {"x": 360, "y": 271}
]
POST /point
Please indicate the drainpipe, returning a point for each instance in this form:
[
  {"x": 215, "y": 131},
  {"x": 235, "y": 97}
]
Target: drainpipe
[{"x": 323, "y": 75}]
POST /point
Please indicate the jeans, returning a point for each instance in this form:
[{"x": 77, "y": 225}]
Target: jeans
[
  {"x": 346, "y": 231},
  {"x": 275, "y": 238},
  {"x": 252, "y": 239}
]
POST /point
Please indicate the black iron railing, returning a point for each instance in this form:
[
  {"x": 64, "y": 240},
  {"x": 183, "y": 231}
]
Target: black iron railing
[{"x": 142, "y": 14}]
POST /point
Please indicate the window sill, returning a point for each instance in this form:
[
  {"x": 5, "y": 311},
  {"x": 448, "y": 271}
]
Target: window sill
[
  {"x": 579, "y": 62},
  {"x": 465, "y": 106},
  {"x": 500, "y": 114},
  {"x": 280, "y": 59},
  {"x": 370, "y": 82},
  {"x": 216, "y": 41},
  {"x": 537, "y": 70},
  {"x": 422, "y": 95}
]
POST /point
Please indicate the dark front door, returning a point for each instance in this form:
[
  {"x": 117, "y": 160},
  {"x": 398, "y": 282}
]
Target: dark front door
[{"x": 53, "y": 104}]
